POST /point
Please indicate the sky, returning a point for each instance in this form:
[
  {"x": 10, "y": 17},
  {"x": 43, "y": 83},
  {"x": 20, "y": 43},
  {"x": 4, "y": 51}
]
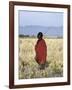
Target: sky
[{"x": 39, "y": 18}]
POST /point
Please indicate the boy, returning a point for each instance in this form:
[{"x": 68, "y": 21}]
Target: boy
[{"x": 41, "y": 51}]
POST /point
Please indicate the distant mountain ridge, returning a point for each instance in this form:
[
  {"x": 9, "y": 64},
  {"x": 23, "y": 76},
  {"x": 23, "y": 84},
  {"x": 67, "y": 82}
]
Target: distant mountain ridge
[{"x": 48, "y": 31}]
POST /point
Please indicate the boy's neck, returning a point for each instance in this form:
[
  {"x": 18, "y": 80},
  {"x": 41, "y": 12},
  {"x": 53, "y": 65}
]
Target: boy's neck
[{"x": 40, "y": 39}]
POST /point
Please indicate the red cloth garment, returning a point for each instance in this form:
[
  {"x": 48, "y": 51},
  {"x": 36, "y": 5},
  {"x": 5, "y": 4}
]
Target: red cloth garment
[{"x": 41, "y": 51}]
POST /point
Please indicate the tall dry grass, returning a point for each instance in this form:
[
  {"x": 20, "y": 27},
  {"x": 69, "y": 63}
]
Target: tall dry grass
[{"x": 28, "y": 67}]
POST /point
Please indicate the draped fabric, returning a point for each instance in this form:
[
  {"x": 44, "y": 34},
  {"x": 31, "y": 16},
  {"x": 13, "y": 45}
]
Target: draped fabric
[{"x": 41, "y": 51}]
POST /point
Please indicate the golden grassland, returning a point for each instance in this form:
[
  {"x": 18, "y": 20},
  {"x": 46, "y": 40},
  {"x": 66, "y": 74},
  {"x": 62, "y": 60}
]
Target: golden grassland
[{"x": 28, "y": 67}]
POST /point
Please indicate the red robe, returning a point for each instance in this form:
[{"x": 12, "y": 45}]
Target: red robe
[{"x": 41, "y": 51}]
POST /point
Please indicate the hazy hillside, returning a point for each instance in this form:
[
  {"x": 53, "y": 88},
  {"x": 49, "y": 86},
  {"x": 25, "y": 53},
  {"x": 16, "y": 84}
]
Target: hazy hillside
[{"x": 48, "y": 31}]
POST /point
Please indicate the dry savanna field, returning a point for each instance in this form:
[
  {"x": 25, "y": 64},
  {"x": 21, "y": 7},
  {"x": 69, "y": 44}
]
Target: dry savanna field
[{"x": 28, "y": 67}]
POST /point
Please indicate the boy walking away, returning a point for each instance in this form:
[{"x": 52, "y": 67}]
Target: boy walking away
[{"x": 41, "y": 51}]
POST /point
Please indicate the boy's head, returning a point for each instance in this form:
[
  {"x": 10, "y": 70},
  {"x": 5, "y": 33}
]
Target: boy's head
[{"x": 40, "y": 35}]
